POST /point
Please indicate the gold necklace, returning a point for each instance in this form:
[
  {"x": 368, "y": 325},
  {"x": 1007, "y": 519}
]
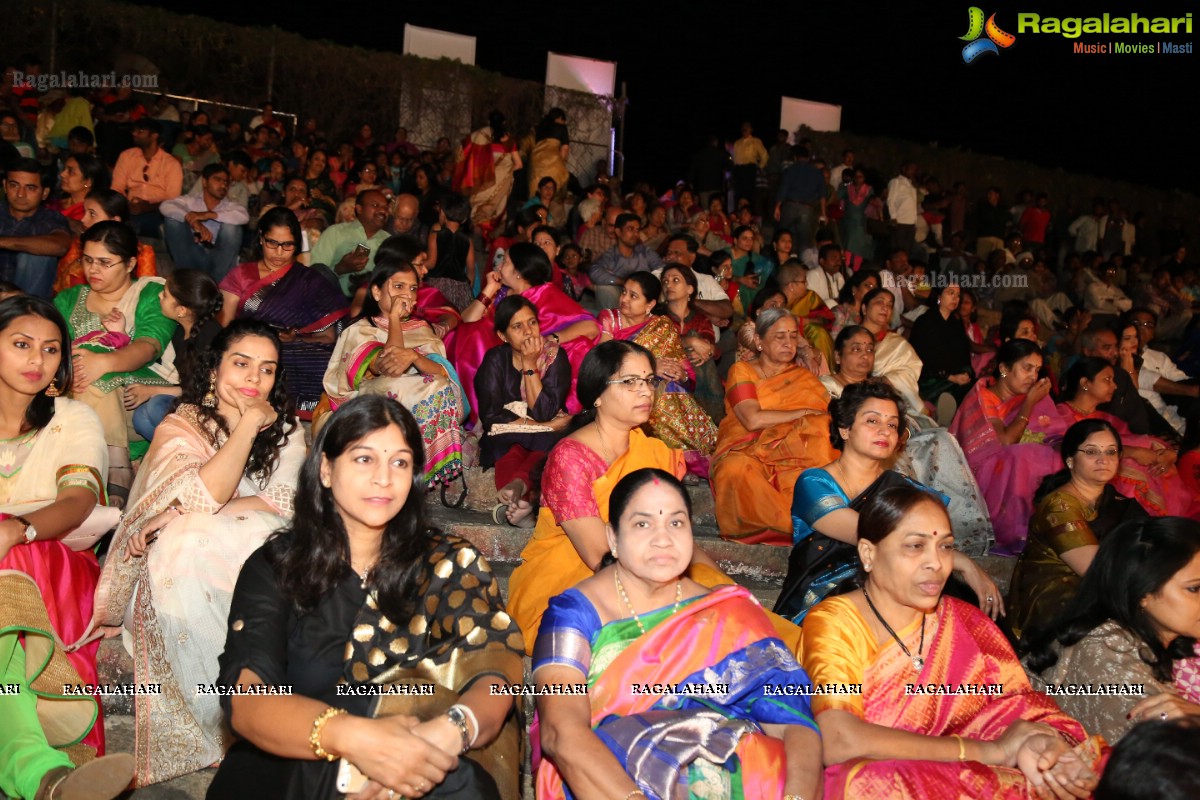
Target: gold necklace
[{"x": 629, "y": 605}]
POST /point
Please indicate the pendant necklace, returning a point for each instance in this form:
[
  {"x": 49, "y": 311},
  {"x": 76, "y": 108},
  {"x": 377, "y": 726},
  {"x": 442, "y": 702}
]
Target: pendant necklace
[
  {"x": 918, "y": 661},
  {"x": 625, "y": 598}
]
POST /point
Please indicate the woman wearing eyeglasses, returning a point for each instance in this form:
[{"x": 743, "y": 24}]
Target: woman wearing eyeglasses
[
  {"x": 1075, "y": 508},
  {"x": 114, "y": 302},
  {"x": 776, "y": 426},
  {"x": 616, "y": 387},
  {"x": 302, "y": 306}
]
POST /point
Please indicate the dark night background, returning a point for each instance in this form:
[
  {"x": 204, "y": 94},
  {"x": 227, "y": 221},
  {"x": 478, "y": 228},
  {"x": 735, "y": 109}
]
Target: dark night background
[{"x": 896, "y": 69}]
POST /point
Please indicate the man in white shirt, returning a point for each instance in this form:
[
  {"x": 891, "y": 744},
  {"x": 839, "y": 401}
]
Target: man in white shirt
[
  {"x": 835, "y": 174},
  {"x": 204, "y": 231},
  {"x": 1160, "y": 376},
  {"x": 711, "y": 299},
  {"x": 1086, "y": 229},
  {"x": 903, "y": 207},
  {"x": 1104, "y": 296},
  {"x": 829, "y": 277}
]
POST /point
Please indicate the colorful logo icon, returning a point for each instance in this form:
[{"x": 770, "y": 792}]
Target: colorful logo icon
[{"x": 976, "y": 27}]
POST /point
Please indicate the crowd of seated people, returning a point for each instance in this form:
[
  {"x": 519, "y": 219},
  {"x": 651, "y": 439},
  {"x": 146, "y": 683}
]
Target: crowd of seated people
[{"x": 888, "y": 408}]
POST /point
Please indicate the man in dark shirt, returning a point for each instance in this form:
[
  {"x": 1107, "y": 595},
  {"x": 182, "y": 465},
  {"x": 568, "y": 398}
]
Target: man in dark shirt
[
  {"x": 707, "y": 172},
  {"x": 991, "y": 224},
  {"x": 800, "y": 203},
  {"x": 1126, "y": 403},
  {"x": 32, "y": 237}
]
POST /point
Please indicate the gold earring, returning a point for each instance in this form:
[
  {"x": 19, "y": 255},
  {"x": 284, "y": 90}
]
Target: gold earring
[
  {"x": 52, "y": 390},
  {"x": 210, "y": 397}
]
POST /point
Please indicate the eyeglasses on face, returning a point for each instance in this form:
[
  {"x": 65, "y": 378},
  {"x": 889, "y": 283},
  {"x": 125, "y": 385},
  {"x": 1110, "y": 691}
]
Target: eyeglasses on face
[
  {"x": 103, "y": 263},
  {"x": 1096, "y": 452},
  {"x": 636, "y": 381},
  {"x": 275, "y": 245}
]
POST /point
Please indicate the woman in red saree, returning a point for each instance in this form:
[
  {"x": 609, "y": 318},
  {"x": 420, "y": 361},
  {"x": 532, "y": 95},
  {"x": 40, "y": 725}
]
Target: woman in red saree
[
  {"x": 943, "y": 707},
  {"x": 1147, "y": 470},
  {"x": 1009, "y": 429},
  {"x": 526, "y": 271}
]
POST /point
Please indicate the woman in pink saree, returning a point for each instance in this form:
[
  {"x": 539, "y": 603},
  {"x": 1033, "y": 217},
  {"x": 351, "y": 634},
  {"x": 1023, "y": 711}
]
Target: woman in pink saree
[
  {"x": 526, "y": 271},
  {"x": 1009, "y": 429},
  {"x": 1147, "y": 470},
  {"x": 938, "y": 705}
]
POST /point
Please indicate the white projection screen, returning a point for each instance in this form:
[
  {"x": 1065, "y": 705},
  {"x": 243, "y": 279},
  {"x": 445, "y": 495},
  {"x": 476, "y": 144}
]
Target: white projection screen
[
  {"x": 432, "y": 43},
  {"x": 794, "y": 112},
  {"x": 581, "y": 74}
]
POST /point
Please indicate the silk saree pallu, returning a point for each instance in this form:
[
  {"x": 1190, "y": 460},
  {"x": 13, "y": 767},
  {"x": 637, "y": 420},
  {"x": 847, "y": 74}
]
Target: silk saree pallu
[
  {"x": 966, "y": 649},
  {"x": 689, "y": 745}
]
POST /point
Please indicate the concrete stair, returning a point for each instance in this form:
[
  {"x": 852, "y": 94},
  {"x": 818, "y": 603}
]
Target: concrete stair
[{"x": 761, "y": 568}]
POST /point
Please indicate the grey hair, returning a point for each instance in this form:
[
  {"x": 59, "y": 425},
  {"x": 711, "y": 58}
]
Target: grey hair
[{"x": 767, "y": 318}]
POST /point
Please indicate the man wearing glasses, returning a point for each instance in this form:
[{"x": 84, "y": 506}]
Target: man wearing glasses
[
  {"x": 204, "y": 231},
  {"x": 32, "y": 237},
  {"x": 148, "y": 176}
]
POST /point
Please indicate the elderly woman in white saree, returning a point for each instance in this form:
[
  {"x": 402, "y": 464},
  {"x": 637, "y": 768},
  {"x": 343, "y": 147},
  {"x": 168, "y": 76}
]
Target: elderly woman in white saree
[
  {"x": 219, "y": 478},
  {"x": 930, "y": 455},
  {"x": 895, "y": 358}
]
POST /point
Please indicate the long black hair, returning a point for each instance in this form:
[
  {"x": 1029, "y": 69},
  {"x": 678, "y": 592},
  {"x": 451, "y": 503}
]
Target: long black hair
[
  {"x": 312, "y": 555},
  {"x": 1137, "y": 559},
  {"x": 1085, "y": 367},
  {"x": 40, "y": 410},
  {"x": 264, "y": 453},
  {"x": 197, "y": 292}
]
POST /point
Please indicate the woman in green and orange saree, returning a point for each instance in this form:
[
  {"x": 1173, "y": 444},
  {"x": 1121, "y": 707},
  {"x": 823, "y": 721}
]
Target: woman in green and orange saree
[{"x": 945, "y": 708}]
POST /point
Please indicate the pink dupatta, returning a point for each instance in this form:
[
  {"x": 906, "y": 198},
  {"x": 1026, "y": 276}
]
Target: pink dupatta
[{"x": 1008, "y": 475}]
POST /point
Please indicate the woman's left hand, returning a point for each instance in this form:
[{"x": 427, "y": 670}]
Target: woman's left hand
[
  {"x": 138, "y": 543},
  {"x": 136, "y": 394},
  {"x": 672, "y": 369},
  {"x": 88, "y": 367},
  {"x": 1167, "y": 705},
  {"x": 1054, "y": 769},
  {"x": 960, "y": 379},
  {"x": 990, "y": 599}
]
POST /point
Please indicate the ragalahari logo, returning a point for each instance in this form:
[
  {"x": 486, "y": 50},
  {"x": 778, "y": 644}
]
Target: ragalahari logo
[{"x": 976, "y": 27}]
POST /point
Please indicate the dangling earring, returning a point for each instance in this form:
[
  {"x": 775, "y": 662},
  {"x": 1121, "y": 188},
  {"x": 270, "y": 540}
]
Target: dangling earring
[
  {"x": 210, "y": 397},
  {"x": 52, "y": 389}
]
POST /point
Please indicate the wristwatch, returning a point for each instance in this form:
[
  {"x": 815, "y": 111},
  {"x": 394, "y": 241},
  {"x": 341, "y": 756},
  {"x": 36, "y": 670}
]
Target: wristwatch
[
  {"x": 30, "y": 531},
  {"x": 529, "y": 372},
  {"x": 457, "y": 716}
]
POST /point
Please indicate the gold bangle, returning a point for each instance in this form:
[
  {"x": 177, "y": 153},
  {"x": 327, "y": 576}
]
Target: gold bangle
[
  {"x": 635, "y": 792},
  {"x": 962, "y": 747},
  {"x": 314, "y": 736}
]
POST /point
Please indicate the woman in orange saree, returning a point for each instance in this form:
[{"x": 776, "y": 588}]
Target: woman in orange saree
[
  {"x": 944, "y": 709},
  {"x": 776, "y": 426},
  {"x": 616, "y": 384}
]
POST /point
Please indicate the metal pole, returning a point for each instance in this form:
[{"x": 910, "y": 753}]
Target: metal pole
[{"x": 623, "y": 105}]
